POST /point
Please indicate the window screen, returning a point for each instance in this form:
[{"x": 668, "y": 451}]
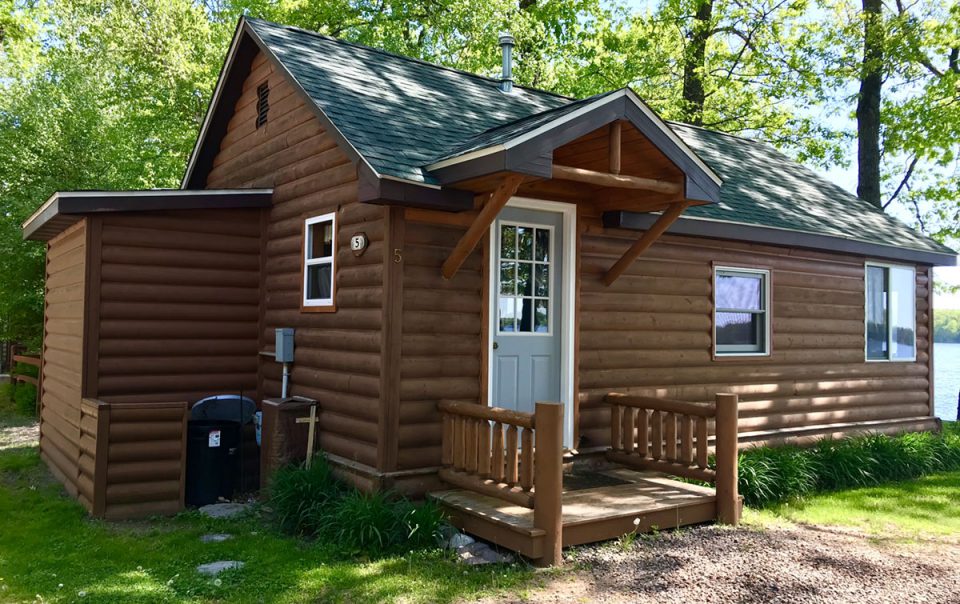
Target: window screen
[
  {"x": 319, "y": 250},
  {"x": 741, "y": 313},
  {"x": 890, "y": 313}
]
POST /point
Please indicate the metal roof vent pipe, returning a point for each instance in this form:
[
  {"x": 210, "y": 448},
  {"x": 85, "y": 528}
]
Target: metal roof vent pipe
[{"x": 506, "y": 75}]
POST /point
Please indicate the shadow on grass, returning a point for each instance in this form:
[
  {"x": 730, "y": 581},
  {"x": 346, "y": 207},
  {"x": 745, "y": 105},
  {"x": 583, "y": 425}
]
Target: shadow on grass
[{"x": 52, "y": 549}]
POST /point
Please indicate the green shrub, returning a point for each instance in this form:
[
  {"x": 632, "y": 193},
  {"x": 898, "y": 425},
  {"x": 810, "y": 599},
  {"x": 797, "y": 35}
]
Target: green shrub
[
  {"x": 301, "y": 498},
  {"x": 313, "y": 503},
  {"x": 773, "y": 475},
  {"x": 25, "y": 399},
  {"x": 776, "y": 474}
]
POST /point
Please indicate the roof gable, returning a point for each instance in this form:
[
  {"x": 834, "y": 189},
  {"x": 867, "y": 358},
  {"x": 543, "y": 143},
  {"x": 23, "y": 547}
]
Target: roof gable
[
  {"x": 526, "y": 145},
  {"x": 398, "y": 113}
]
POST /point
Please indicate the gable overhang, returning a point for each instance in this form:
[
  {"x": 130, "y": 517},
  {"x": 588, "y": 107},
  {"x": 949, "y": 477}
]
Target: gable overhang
[
  {"x": 531, "y": 153},
  {"x": 736, "y": 231},
  {"x": 65, "y": 208}
]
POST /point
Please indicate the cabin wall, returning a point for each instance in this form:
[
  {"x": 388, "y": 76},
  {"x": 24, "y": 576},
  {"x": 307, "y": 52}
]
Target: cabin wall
[
  {"x": 338, "y": 354},
  {"x": 650, "y": 333},
  {"x": 442, "y": 336},
  {"x": 63, "y": 356},
  {"x": 178, "y": 306}
]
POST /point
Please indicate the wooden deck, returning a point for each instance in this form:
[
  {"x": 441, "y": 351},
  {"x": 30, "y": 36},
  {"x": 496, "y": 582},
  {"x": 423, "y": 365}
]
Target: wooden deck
[{"x": 590, "y": 513}]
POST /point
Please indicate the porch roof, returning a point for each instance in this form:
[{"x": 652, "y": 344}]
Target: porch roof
[{"x": 64, "y": 208}]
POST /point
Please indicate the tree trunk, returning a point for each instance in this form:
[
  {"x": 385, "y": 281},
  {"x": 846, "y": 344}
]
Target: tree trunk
[
  {"x": 694, "y": 57},
  {"x": 868, "y": 104}
]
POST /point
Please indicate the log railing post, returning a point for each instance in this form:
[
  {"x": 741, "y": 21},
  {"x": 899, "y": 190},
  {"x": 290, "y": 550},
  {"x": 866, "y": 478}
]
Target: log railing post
[
  {"x": 548, "y": 480},
  {"x": 728, "y": 499}
]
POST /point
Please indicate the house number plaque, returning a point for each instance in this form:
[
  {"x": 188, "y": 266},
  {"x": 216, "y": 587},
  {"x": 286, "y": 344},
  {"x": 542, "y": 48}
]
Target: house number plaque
[{"x": 358, "y": 244}]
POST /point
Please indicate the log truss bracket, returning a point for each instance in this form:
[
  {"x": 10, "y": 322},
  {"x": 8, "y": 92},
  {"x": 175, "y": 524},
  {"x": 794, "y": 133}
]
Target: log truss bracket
[
  {"x": 501, "y": 195},
  {"x": 657, "y": 229}
]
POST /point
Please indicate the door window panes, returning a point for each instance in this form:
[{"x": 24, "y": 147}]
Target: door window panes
[{"x": 525, "y": 255}]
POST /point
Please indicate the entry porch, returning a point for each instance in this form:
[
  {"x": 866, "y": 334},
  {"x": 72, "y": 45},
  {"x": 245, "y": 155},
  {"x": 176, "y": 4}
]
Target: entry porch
[{"x": 514, "y": 485}]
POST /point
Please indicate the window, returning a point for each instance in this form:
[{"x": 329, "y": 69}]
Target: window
[
  {"x": 319, "y": 249},
  {"x": 891, "y": 313},
  {"x": 263, "y": 103},
  {"x": 741, "y": 312},
  {"x": 525, "y": 262}
]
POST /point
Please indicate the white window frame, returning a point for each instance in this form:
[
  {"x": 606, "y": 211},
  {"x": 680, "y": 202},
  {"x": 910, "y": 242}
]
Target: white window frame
[
  {"x": 767, "y": 311},
  {"x": 866, "y": 297},
  {"x": 332, "y": 260},
  {"x": 550, "y": 298}
]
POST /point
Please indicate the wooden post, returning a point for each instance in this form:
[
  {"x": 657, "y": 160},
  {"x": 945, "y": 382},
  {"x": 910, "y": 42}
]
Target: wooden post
[
  {"x": 481, "y": 223},
  {"x": 615, "y": 138},
  {"x": 668, "y": 217},
  {"x": 102, "y": 459},
  {"x": 548, "y": 480},
  {"x": 728, "y": 497},
  {"x": 311, "y": 432}
]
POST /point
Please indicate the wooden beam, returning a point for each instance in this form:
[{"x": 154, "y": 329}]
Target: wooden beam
[
  {"x": 620, "y": 181},
  {"x": 645, "y": 241},
  {"x": 615, "y": 132},
  {"x": 484, "y": 219}
]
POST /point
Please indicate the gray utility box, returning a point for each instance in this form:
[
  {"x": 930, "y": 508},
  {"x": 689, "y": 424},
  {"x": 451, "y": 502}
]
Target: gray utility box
[{"x": 284, "y": 348}]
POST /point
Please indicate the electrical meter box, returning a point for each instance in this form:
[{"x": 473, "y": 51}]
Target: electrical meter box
[{"x": 284, "y": 348}]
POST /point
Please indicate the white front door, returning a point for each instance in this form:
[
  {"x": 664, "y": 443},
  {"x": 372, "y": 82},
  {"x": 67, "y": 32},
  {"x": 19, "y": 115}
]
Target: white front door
[{"x": 531, "y": 257}]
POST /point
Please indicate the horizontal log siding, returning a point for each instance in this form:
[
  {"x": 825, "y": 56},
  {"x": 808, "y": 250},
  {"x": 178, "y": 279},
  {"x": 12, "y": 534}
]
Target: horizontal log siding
[
  {"x": 145, "y": 467},
  {"x": 337, "y": 353},
  {"x": 441, "y": 344},
  {"x": 62, "y": 370},
  {"x": 650, "y": 334},
  {"x": 179, "y": 299}
]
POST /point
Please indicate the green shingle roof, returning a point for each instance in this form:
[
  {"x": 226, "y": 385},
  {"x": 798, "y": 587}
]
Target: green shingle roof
[{"x": 402, "y": 114}]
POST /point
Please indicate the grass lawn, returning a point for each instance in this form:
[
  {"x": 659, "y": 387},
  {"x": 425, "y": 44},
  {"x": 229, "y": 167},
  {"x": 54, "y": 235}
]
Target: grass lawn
[
  {"x": 928, "y": 506},
  {"x": 51, "y": 551}
]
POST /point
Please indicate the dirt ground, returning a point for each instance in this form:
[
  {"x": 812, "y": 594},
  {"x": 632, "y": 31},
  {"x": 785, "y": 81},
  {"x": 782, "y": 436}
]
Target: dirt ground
[{"x": 789, "y": 564}]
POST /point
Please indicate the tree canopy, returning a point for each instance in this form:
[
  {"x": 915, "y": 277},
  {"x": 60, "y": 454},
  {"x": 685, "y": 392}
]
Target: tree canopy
[{"x": 111, "y": 94}]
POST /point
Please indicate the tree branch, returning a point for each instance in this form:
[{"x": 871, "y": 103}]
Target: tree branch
[{"x": 903, "y": 184}]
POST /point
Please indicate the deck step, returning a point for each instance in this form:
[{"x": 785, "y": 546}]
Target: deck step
[{"x": 642, "y": 502}]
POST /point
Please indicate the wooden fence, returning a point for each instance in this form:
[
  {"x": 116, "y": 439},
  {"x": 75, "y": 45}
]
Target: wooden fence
[
  {"x": 516, "y": 457},
  {"x": 26, "y": 360},
  {"x": 23, "y": 378},
  {"x": 672, "y": 437}
]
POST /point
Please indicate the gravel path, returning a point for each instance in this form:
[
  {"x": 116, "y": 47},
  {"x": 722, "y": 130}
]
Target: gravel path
[
  {"x": 794, "y": 564},
  {"x": 24, "y": 435}
]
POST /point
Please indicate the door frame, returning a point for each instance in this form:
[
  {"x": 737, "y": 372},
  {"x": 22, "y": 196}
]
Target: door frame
[{"x": 567, "y": 321}]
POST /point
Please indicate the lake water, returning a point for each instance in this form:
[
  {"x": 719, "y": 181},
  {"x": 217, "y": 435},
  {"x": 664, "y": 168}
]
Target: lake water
[{"x": 946, "y": 375}]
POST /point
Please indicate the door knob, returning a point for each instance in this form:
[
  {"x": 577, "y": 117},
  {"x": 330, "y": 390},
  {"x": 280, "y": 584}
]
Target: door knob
[{"x": 496, "y": 345}]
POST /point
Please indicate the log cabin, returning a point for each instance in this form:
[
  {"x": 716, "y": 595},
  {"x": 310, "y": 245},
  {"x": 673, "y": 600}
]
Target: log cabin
[{"x": 470, "y": 268}]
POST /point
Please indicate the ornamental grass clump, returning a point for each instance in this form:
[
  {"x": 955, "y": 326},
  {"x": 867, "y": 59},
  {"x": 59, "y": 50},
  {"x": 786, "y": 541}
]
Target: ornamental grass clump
[
  {"x": 774, "y": 475},
  {"x": 313, "y": 503}
]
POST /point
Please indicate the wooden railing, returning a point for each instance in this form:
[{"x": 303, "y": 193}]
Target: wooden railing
[
  {"x": 672, "y": 437},
  {"x": 513, "y": 456}
]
